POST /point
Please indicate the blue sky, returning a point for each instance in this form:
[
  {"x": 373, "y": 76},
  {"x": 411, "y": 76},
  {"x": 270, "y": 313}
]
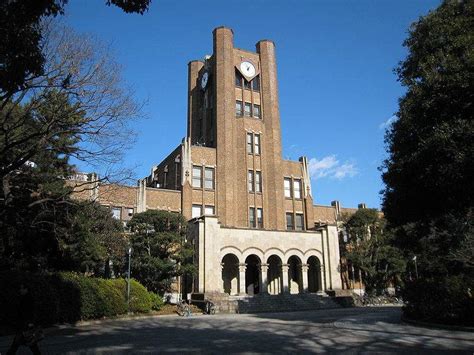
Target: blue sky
[{"x": 335, "y": 69}]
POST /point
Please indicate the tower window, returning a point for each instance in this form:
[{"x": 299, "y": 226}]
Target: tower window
[
  {"x": 197, "y": 177},
  {"x": 258, "y": 181},
  {"x": 256, "y": 83},
  {"x": 196, "y": 211},
  {"x": 209, "y": 211},
  {"x": 259, "y": 218},
  {"x": 252, "y": 217},
  {"x": 256, "y": 111},
  {"x": 238, "y": 79},
  {"x": 246, "y": 84},
  {"x": 249, "y": 143},
  {"x": 116, "y": 212},
  {"x": 289, "y": 221},
  {"x": 238, "y": 108},
  {"x": 209, "y": 178},
  {"x": 248, "y": 109},
  {"x": 299, "y": 222},
  {"x": 257, "y": 143},
  {"x": 287, "y": 187},
  {"x": 297, "y": 188},
  {"x": 250, "y": 181}
]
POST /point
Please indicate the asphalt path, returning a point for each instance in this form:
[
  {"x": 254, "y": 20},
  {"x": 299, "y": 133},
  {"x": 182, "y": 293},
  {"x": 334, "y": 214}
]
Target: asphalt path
[{"x": 349, "y": 331}]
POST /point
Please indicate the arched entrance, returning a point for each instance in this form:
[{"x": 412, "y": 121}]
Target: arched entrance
[
  {"x": 252, "y": 275},
  {"x": 230, "y": 274},
  {"x": 274, "y": 275},
  {"x": 314, "y": 274},
  {"x": 294, "y": 274}
]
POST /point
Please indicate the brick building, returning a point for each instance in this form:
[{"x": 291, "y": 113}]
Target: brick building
[{"x": 251, "y": 214}]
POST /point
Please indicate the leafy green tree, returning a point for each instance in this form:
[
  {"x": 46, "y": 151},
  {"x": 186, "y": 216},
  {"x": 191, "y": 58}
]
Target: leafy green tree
[
  {"x": 429, "y": 171},
  {"x": 368, "y": 248},
  {"x": 160, "y": 249},
  {"x": 428, "y": 199}
]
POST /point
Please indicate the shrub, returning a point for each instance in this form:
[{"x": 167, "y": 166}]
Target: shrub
[
  {"x": 140, "y": 299},
  {"x": 446, "y": 300},
  {"x": 156, "y": 301}
]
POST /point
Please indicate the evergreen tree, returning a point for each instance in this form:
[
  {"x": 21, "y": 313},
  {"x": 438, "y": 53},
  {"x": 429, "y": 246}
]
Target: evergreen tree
[
  {"x": 429, "y": 173},
  {"x": 160, "y": 251}
]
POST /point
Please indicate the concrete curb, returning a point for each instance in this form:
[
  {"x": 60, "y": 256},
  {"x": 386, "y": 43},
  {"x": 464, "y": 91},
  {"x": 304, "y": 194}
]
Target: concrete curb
[{"x": 436, "y": 325}]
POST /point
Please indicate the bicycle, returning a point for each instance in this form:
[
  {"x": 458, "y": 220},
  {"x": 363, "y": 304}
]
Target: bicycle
[
  {"x": 210, "y": 307},
  {"x": 183, "y": 309}
]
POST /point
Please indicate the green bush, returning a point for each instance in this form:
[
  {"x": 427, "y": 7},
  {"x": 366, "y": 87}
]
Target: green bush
[
  {"x": 447, "y": 300},
  {"x": 156, "y": 301},
  {"x": 140, "y": 299},
  {"x": 69, "y": 297}
]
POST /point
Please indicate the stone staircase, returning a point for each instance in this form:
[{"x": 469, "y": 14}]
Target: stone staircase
[
  {"x": 266, "y": 303},
  {"x": 284, "y": 303}
]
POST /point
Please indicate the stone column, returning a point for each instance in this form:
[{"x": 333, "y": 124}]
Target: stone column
[
  {"x": 263, "y": 278},
  {"x": 304, "y": 276},
  {"x": 242, "y": 268},
  {"x": 284, "y": 275},
  {"x": 323, "y": 277}
]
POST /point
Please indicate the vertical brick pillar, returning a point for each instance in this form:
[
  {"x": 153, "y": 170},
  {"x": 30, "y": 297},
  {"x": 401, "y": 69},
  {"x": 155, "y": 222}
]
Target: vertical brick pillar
[{"x": 194, "y": 94}]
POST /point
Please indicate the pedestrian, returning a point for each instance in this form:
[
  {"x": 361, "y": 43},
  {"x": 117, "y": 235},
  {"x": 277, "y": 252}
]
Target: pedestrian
[{"x": 25, "y": 331}]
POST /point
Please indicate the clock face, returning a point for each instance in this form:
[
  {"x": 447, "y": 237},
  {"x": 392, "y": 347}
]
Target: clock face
[
  {"x": 204, "y": 80},
  {"x": 248, "y": 69}
]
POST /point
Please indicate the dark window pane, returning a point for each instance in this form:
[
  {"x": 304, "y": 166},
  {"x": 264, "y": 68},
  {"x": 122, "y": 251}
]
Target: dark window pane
[
  {"x": 256, "y": 111},
  {"x": 256, "y": 83},
  {"x": 299, "y": 223},
  {"x": 248, "y": 109},
  {"x": 252, "y": 217},
  {"x": 289, "y": 221},
  {"x": 249, "y": 143},
  {"x": 257, "y": 143},
  {"x": 259, "y": 218},
  {"x": 246, "y": 84},
  {"x": 238, "y": 79},
  {"x": 238, "y": 108}
]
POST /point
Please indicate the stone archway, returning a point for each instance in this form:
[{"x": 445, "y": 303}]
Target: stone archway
[
  {"x": 252, "y": 275},
  {"x": 295, "y": 278},
  {"x": 274, "y": 275},
  {"x": 230, "y": 274},
  {"x": 314, "y": 274}
]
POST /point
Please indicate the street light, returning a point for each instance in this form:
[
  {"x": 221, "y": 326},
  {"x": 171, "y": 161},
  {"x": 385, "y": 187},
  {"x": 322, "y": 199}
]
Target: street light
[{"x": 128, "y": 278}]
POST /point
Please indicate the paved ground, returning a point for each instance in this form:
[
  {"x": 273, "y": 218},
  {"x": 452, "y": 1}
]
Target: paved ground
[{"x": 350, "y": 331}]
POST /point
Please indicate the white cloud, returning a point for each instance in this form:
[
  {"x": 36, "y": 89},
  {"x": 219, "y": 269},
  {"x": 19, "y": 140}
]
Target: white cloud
[
  {"x": 331, "y": 167},
  {"x": 388, "y": 122}
]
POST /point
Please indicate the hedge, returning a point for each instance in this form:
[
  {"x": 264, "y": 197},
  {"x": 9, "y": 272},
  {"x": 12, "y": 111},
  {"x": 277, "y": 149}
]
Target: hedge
[{"x": 69, "y": 297}]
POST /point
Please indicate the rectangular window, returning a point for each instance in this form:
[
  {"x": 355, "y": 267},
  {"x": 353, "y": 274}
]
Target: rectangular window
[
  {"x": 196, "y": 211},
  {"x": 248, "y": 109},
  {"x": 258, "y": 181},
  {"x": 259, "y": 218},
  {"x": 246, "y": 84},
  {"x": 250, "y": 181},
  {"x": 297, "y": 188},
  {"x": 256, "y": 139},
  {"x": 209, "y": 178},
  {"x": 197, "y": 177},
  {"x": 256, "y": 111},
  {"x": 252, "y": 217},
  {"x": 287, "y": 187},
  {"x": 209, "y": 211},
  {"x": 129, "y": 212},
  {"x": 249, "y": 143},
  {"x": 116, "y": 212},
  {"x": 289, "y": 221},
  {"x": 238, "y": 79},
  {"x": 256, "y": 83},
  {"x": 299, "y": 222},
  {"x": 238, "y": 108}
]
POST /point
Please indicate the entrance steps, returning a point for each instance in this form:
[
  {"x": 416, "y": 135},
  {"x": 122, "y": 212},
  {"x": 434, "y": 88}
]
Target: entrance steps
[{"x": 268, "y": 303}]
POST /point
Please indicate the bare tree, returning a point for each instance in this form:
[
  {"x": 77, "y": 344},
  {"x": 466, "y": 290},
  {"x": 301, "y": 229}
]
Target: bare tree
[{"x": 81, "y": 69}]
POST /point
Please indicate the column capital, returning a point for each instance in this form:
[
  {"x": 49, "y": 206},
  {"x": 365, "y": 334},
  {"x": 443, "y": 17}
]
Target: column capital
[
  {"x": 242, "y": 267},
  {"x": 285, "y": 267},
  {"x": 304, "y": 267},
  {"x": 264, "y": 267}
]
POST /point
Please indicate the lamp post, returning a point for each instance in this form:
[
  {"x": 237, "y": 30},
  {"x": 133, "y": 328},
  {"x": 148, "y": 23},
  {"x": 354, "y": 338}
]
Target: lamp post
[
  {"x": 128, "y": 278},
  {"x": 416, "y": 267}
]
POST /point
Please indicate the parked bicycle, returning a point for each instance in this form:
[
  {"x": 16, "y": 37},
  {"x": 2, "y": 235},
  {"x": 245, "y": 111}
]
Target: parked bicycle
[
  {"x": 183, "y": 309},
  {"x": 210, "y": 307}
]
